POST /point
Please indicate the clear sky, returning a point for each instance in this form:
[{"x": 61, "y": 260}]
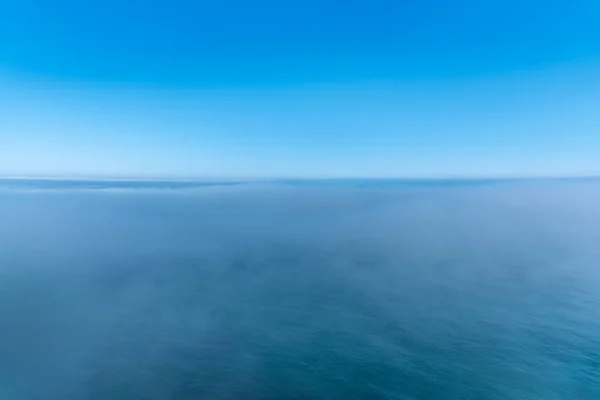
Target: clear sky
[{"x": 307, "y": 88}]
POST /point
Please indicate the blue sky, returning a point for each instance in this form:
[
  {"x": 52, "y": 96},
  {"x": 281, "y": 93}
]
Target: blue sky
[{"x": 326, "y": 88}]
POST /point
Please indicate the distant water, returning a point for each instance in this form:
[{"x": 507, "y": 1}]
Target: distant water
[{"x": 415, "y": 290}]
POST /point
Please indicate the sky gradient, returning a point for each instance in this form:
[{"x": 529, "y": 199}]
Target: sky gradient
[{"x": 309, "y": 88}]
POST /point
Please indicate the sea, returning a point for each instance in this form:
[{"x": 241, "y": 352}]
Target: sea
[{"x": 300, "y": 289}]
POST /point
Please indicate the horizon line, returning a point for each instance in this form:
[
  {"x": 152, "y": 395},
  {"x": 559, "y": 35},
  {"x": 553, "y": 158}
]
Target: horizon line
[{"x": 139, "y": 178}]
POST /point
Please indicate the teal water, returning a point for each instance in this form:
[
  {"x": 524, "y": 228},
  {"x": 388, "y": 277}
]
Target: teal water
[{"x": 292, "y": 290}]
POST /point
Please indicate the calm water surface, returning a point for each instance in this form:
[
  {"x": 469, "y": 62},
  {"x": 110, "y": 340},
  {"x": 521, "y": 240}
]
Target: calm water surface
[{"x": 339, "y": 290}]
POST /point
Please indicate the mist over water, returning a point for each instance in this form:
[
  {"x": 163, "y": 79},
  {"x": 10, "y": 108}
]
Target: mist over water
[{"x": 313, "y": 291}]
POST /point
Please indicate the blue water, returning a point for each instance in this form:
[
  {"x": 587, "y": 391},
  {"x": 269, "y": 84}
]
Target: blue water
[{"x": 415, "y": 290}]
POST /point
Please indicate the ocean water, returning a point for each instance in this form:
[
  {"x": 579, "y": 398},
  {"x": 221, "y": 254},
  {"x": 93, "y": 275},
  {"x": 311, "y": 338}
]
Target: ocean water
[{"x": 410, "y": 290}]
